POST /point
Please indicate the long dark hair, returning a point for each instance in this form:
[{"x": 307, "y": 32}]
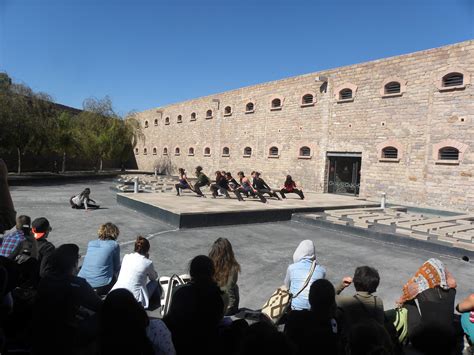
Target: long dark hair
[
  {"x": 142, "y": 246},
  {"x": 288, "y": 180},
  {"x": 181, "y": 171},
  {"x": 86, "y": 191},
  {"x": 225, "y": 264}
]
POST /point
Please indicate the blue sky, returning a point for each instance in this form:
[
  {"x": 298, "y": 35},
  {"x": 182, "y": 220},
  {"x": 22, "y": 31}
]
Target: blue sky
[{"x": 148, "y": 53}]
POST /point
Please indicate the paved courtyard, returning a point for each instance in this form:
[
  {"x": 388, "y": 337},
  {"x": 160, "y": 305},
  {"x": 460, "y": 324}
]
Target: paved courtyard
[{"x": 263, "y": 250}]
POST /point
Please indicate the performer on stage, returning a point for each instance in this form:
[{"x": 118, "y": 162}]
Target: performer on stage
[
  {"x": 202, "y": 180},
  {"x": 246, "y": 188},
  {"x": 261, "y": 186},
  {"x": 290, "y": 187},
  {"x": 83, "y": 201},
  {"x": 183, "y": 182}
]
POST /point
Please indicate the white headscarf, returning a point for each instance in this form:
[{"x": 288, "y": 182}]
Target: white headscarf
[{"x": 305, "y": 250}]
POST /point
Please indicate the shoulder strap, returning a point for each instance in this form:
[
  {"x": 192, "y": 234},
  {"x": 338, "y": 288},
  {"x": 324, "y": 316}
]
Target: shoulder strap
[
  {"x": 365, "y": 307},
  {"x": 311, "y": 271}
]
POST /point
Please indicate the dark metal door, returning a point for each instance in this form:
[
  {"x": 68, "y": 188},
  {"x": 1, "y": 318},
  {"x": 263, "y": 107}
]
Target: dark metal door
[{"x": 344, "y": 175}]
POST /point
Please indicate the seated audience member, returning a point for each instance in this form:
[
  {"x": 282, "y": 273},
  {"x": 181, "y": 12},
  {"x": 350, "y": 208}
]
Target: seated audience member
[
  {"x": 364, "y": 304},
  {"x": 7, "y": 211},
  {"x": 196, "y": 310},
  {"x": 183, "y": 183},
  {"x": 226, "y": 273},
  {"x": 369, "y": 337},
  {"x": 247, "y": 189},
  {"x": 466, "y": 308},
  {"x": 429, "y": 297},
  {"x": 41, "y": 229},
  {"x": 261, "y": 186},
  {"x": 13, "y": 242},
  {"x": 316, "y": 328},
  {"x": 102, "y": 261},
  {"x": 290, "y": 187},
  {"x": 126, "y": 329},
  {"x": 304, "y": 266},
  {"x": 83, "y": 201},
  {"x": 138, "y": 275},
  {"x": 61, "y": 321},
  {"x": 264, "y": 338}
]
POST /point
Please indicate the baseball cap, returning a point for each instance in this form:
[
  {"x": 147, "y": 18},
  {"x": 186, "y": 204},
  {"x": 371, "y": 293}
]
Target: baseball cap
[{"x": 40, "y": 227}]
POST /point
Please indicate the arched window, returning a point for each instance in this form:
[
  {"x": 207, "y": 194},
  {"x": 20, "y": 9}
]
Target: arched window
[
  {"x": 307, "y": 99},
  {"x": 273, "y": 151},
  {"x": 276, "y": 103},
  {"x": 191, "y": 151},
  {"x": 193, "y": 116},
  {"x": 154, "y": 150},
  {"x": 207, "y": 151},
  {"x": 448, "y": 153},
  {"x": 305, "y": 152},
  {"x": 209, "y": 114},
  {"x": 167, "y": 120},
  {"x": 225, "y": 151},
  {"x": 392, "y": 87},
  {"x": 390, "y": 153},
  {"x": 180, "y": 119},
  {"x": 345, "y": 94},
  {"x": 250, "y": 107},
  {"x": 176, "y": 151},
  {"x": 144, "y": 151},
  {"x": 156, "y": 121},
  {"x": 146, "y": 124},
  {"x": 227, "y": 111},
  {"x": 165, "y": 151},
  {"x": 247, "y": 151},
  {"x": 136, "y": 151},
  {"x": 453, "y": 79}
]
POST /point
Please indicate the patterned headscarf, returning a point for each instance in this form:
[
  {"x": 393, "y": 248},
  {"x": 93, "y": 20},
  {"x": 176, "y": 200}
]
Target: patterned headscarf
[{"x": 430, "y": 275}]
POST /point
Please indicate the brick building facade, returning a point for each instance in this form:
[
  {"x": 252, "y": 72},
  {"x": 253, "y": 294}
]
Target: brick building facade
[{"x": 402, "y": 125}]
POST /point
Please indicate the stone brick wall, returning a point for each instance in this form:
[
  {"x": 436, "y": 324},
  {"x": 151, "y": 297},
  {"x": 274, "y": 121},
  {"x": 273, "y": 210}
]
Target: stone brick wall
[{"x": 416, "y": 122}]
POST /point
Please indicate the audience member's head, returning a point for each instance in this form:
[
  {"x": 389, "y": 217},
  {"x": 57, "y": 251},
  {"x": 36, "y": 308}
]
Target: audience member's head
[
  {"x": 108, "y": 231},
  {"x": 225, "y": 264},
  {"x": 304, "y": 250},
  {"x": 23, "y": 223},
  {"x": 201, "y": 269},
  {"x": 322, "y": 298},
  {"x": 264, "y": 338},
  {"x": 366, "y": 279},
  {"x": 142, "y": 246},
  {"x": 41, "y": 228},
  {"x": 123, "y": 323},
  {"x": 369, "y": 338},
  {"x": 64, "y": 259}
]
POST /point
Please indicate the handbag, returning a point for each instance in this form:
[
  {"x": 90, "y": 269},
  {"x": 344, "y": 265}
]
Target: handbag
[{"x": 280, "y": 301}]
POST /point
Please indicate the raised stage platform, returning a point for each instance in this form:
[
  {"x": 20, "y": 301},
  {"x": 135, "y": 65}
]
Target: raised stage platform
[{"x": 190, "y": 211}]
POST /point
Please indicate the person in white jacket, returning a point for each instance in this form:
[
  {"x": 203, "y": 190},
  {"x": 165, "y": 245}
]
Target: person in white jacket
[{"x": 138, "y": 275}]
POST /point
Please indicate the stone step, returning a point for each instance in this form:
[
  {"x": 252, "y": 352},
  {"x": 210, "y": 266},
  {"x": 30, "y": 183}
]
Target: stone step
[
  {"x": 437, "y": 220},
  {"x": 432, "y": 226},
  {"x": 455, "y": 229}
]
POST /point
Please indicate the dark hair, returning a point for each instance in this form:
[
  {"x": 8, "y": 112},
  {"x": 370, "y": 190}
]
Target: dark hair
[
  {"x": 369, "y": 338},
  {"x": 222, "y": 256},
  {"x": 241, "y": 173},
  {"x": 322, "y": 297},
  {"x": 201, "y": 268},
  {"x": 64, "y": 259},
  {"x": 366, "y": 279},
  {"x": 229, "y": 175},
  {"x": 181, "y": 171},
  {"x": 199, "y": 168},
  {"x": 86, "y": 191},
  {"x": 288, "y": 180},
  {"x": 142, "y": 245},
  {"x": 123, "y": 323},
  {"x": 23, "y": 223},
  {"x": 257, "y": 174}
]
